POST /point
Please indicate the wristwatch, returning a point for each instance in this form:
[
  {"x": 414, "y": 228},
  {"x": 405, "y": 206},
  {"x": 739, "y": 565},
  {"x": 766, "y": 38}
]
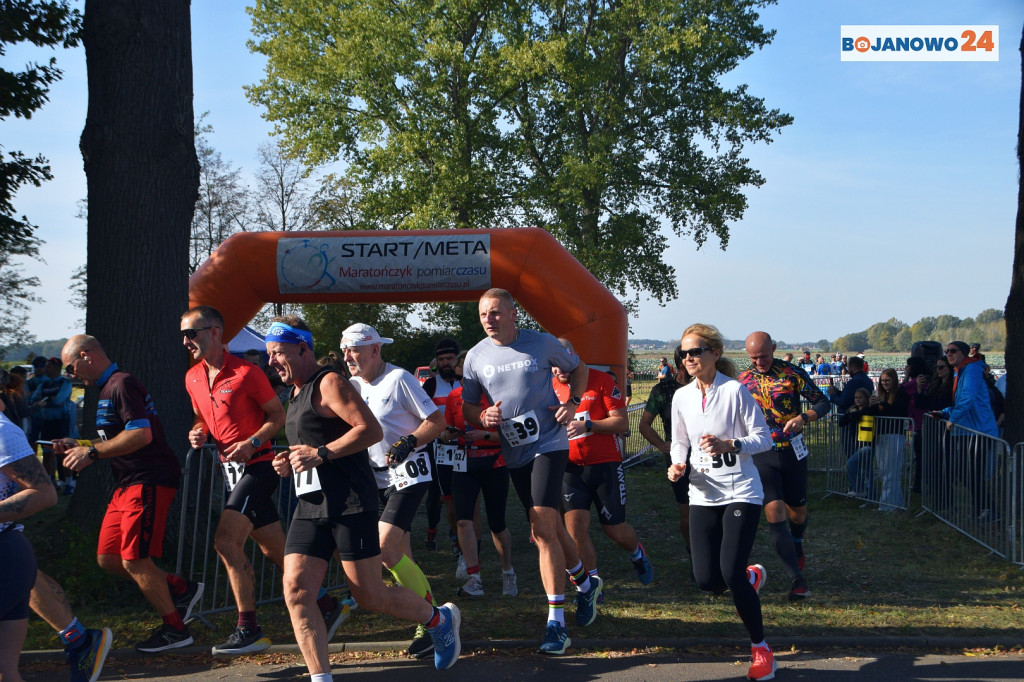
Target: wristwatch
[
  {"x": 589, "y": 424},
  {"x": 323, "y": 453},
  {"x": 255, "y": 443},
  {"x": 574, "y": 400},
  {"x": 737, "y": 445},
  {"x": 93, "y": 454}
]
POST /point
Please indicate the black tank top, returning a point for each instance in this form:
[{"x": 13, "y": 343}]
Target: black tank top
[{"x": 347, "y": 483}]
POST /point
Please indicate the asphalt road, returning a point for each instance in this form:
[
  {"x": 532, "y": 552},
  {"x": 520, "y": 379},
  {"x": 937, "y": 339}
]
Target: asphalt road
[{"x": 713, "y": 664}]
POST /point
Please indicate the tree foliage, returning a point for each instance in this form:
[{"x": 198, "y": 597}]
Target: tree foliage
[
  {"x": 988, "y": 328},
  {"x": 43, "y": 24},
  {"x": 601, "y": 122}
]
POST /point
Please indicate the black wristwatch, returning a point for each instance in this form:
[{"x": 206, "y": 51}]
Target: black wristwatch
[
  {"x": 737, "y": 445},
  {"x": 807, "y": 420},
  {"x": 574, "y": 400},
  {"x": 323, "y": 453},
  {"x": 93, "y": 454},
  {"x": 255, "y": 443},
  {"x": 589, "y": 424}
]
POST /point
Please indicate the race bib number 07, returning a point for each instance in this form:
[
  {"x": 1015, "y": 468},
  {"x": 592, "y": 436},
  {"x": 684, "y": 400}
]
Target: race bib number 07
[{"x": 521, "y": 430}]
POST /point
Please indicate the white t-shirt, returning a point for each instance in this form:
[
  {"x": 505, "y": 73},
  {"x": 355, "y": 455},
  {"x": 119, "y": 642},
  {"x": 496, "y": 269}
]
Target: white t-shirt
[
  {"x": 400, "y": 405},
  {"x": 13, "y": 446},
  {"x": 730, "y": 412}
]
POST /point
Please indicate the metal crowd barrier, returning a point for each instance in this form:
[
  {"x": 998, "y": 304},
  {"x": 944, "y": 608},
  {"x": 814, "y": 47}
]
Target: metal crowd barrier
[
  {"x": 872, "y": 464},
  {"x": 637, "y": 449},
  {"x": 972, "y": 482},
  {"x": 202, "y": 494}
]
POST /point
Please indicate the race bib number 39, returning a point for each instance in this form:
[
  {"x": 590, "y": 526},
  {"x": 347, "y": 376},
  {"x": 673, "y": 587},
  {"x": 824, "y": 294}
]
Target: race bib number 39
[{"x": 521, "y": 430}]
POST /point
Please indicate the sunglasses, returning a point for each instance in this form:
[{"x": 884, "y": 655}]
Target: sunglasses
[
  {"x": 191, "y": 334},
  {"x": 952, "y": 351},
  {"x": 694, "y": 352}
]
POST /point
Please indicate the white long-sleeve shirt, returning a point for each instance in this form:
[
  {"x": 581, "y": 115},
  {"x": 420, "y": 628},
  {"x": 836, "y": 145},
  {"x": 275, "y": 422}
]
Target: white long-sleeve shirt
[{"x": 729, "y": 412}]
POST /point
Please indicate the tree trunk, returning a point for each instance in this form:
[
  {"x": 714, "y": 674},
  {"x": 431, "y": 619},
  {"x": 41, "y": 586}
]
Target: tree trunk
[
  {"x": 138, "y": 146},
  {"x": 1015, "y": 302}
]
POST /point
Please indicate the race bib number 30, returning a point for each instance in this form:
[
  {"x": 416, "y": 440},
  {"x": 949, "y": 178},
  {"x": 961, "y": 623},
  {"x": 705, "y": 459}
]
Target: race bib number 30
[
  {"x": 521, "y": 430},
  {"x": 233, "y": 472},
  {"x": 410, "y": 472}
]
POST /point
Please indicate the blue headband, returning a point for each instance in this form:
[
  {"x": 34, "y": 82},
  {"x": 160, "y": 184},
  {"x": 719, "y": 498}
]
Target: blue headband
[{"x": 283, "y": 333}]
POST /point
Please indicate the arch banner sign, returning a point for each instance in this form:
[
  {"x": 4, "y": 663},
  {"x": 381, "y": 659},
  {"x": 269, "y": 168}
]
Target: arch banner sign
[{"x": 369, "y": 263}]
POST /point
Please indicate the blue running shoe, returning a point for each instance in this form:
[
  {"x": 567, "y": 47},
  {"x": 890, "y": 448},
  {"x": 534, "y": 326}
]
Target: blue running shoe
[
  {"x": 447, "y": 645},
  {"x": 556, "y": 639},
  {"x": 644, "y": 569},
  {"x": 586, "y": 603},
  {"x": 87, "y": 660}
]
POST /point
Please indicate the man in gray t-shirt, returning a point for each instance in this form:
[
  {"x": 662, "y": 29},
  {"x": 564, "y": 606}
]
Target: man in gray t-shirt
[{"x": 512, "y": 368}]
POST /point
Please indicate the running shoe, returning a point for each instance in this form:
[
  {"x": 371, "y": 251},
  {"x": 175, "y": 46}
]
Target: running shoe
[
  {"x": 556, "y": 639},
  {"x": 757, "y": 576},
  {"x": 474, "y": 587},
  {"x": 799, "y": 591},
  {"x": 164, "y": 638},
  {"x": 422, "y": 643},
  {"x": 243, "y": 641},
  {"x": 762, "y": 663},
  {"x": 187, "y": 600},
  {"x": 644, "y": 569},
  {"x": 348, "y": 601},
  {"x": 335, "y": 617},
  {"x": 509, "y": 587},
  {"x": 460, "y": 569},
  {"x": 86, "y": 661},
  {"x": 447, "y": 645},
  {"x": 586, "y": 603}
]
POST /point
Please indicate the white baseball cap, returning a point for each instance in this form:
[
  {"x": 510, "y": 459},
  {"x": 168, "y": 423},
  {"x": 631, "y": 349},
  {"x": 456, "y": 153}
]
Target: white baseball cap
[{"x": 361, "y": 334}]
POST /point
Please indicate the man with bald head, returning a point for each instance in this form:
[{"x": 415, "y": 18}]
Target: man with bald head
[
  {"x": 146, "y": 473},
  {"x": 778, "y": 386}
]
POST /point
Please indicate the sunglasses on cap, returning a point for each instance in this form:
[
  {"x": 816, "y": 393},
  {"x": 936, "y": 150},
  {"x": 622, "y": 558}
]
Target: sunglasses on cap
[
  {"x": 695, "y": 352},
  {"x": 191, "y": 334}
]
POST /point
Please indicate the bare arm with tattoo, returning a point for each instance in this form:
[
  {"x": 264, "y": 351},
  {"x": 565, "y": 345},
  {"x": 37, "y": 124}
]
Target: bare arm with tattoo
[{"x": 37, "y": 491}]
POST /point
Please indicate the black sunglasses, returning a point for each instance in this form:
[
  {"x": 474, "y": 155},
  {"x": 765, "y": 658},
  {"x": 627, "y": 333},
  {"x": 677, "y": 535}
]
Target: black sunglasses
[
  {"x": 694, "y": 352},
  {"x": 191, "y": 334},
  {"x": 951, "y": 351}
]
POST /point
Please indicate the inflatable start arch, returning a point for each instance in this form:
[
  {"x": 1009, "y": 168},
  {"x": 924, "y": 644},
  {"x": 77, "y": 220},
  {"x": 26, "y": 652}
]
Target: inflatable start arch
[{"x": 251, "y": 269}]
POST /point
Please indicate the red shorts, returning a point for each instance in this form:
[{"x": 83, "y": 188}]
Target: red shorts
[{"x": 133, "y": 527}]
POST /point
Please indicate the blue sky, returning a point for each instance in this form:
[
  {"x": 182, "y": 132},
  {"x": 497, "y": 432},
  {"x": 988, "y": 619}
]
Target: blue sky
[{"x": 893, "y": 194}]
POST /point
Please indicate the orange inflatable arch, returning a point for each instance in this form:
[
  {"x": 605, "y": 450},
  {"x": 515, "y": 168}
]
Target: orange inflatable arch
[{"x": 251, "y": 269}]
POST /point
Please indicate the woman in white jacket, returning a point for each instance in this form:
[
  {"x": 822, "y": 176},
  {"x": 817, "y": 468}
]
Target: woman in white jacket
[{"x": 717, "y": 427}]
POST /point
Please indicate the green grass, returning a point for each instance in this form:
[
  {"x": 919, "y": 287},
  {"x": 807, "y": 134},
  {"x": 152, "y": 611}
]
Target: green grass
[{"x": 871, "y": 574}]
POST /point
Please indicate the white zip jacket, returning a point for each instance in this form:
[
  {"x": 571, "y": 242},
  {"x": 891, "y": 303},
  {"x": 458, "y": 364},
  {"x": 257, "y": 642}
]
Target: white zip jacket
[{"x": 730, "y": 413}]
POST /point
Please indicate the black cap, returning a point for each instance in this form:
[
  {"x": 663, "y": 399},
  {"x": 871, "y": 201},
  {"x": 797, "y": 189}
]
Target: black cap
[{"x": 445, "y": 346}]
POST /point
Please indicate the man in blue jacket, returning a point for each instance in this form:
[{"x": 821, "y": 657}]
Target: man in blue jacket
[{"x": 858, "y": 379}]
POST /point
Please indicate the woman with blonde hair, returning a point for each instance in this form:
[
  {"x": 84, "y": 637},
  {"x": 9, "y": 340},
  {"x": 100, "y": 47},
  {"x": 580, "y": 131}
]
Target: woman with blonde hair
[{"x": 717, "y": 421}]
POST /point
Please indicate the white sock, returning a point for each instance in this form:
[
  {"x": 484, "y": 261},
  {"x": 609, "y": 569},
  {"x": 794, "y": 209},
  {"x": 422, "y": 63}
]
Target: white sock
[{"x": 321, "y": 677}]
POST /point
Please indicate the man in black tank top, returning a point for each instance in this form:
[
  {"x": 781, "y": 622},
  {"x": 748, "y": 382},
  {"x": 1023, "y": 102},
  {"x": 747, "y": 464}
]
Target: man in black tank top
[{"x": 329, "y": 428}]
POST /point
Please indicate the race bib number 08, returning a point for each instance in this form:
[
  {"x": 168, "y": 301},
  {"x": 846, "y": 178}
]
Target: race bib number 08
[
  {"x": 521, "y": 430},
  {"x": 410, "y": 472},
  {"x": 233, "y": 472}
]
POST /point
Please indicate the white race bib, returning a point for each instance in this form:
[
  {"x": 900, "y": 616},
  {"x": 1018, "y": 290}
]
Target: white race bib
[
  {"x": 799, "y": 446},
  {"x": 459, "y": 460},
  {"x": 306, "y": 482},
  {"x": 414, "y": 470},
  {"x": 581, "y": 417},
  {"x": 446, "y": 453},
  {"x": 521, "y": 430},
  {"x": 233, "y": 472},
  {"x": 709, "y": 464}
]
